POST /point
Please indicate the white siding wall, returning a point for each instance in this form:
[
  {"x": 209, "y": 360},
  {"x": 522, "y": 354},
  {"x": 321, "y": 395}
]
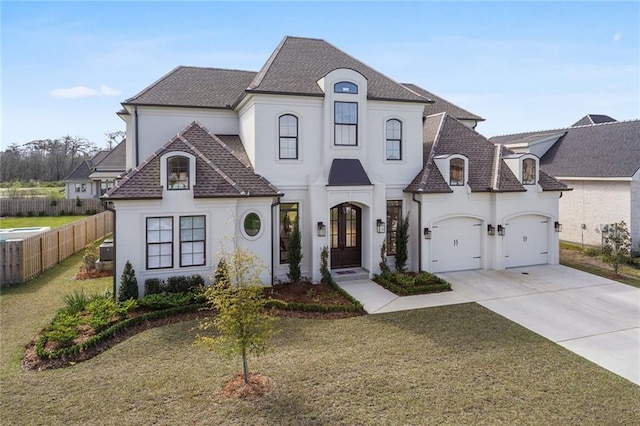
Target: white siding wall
[
  {"x": 635, "y": 212},
  {"x": 593, "y": 203}
]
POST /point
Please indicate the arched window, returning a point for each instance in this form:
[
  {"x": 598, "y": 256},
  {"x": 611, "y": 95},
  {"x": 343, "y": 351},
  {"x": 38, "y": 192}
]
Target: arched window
[
  {"x": 394, "y": 140},
  {"x": 529, "y": 171},
  {"x": 177, "y": 172},
  {"x": 456, "y": 172},
  {"x": 288, "y": 132},
  {"x": 345, "y": 87}
]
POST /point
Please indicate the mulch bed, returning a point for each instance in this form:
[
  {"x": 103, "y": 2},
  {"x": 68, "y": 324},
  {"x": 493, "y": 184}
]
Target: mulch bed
[
  {"x": 298, "y": 292},
  {"x": 85, "y": 274}
]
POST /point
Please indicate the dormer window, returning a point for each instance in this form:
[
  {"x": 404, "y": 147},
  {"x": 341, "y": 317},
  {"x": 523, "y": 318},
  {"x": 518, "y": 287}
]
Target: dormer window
[
  {"x": 456, "y": 172},
  {"x": 177, "y": 172},
  {"x": 345, "y": 87},
  {"x": 528, "y": 171}
]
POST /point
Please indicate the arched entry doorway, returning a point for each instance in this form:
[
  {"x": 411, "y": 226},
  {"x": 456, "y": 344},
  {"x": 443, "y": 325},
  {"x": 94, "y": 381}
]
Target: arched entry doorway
[{"x": 346, "y": 238}]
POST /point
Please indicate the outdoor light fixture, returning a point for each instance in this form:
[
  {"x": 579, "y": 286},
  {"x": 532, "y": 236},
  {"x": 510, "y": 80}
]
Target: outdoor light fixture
[
  {"x": 427, "y": 233},
  {"x": 491, "y": 230},
  {"x": 501, "y": 230},
  {"x": 380, "y": 226},
  {"x": 557, "y": 226},
  {"x": 322, "y": 229}
]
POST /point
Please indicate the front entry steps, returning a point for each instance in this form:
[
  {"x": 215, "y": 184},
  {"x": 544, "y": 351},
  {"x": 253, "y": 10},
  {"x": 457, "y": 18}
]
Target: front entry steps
[{"x": 349, "y": 274}]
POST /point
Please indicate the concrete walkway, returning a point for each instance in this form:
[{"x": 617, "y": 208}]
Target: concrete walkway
[{"x": 594, "y": 317}]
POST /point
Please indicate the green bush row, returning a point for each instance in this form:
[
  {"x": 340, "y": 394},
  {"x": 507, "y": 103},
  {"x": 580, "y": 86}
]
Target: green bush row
[
  {"x": 175, "y": 284},
  {"x": 410, "y": 289},
  {"x": 109, "y": 332}
]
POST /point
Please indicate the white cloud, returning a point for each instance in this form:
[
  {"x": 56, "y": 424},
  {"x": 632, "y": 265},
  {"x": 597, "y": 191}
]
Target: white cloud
[
  {"x": 617, "y": 36},
  {"x": 83, "y": 92}
]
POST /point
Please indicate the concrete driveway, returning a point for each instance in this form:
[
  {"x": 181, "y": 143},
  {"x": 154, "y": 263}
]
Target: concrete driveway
[{"x": 594, "y": 317}]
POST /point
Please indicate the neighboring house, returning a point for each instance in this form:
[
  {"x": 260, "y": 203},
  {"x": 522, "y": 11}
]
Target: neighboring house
[
  {"x": 93, "y": 178},
  {"x": 599, "y": 158},
  {"x": 319, "y": 139}
]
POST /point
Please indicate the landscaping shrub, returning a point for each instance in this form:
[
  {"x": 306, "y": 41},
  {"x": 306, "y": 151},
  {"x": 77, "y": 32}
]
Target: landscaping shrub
[
  {"x": 295, "y": 254},
  {"x": 221, "y": 276},
  {"x": 29, "y": 213},
  {"x": 153, "y": 286},
  {"x": 178, "y": 284},
  {"x": 90, "y": 212},
  {"x": 168, "y": 300},
  {"x": 76, "y": 302},
  {"x": 63, "y": 328},
  {"x": 408, "y": 284},
  {"x": 593, "y": 252},
  {"x": 402, "y": 244},
  {"x": 128, "y": 284},
  {"x": 102, "y": 311},
  {"x": 42, "y": 213},
  {"x": 324, "y": 265},
  {"x": 90, "y": 256}
]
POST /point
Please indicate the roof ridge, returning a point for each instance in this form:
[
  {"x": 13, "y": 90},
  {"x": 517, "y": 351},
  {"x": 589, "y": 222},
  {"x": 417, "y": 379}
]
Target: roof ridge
[
  {"x": 561, "y": 129},
  {"x": 497, "y": 159},
  {"x": 215, "y": 68},
  {"x": 263, "y": 71},
  {"x": 211, "y": 164},
  {"x": 152, "y": 85}
]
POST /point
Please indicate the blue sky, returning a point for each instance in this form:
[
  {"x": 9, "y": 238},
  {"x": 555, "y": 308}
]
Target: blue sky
[{"x": 66, "y": 66}]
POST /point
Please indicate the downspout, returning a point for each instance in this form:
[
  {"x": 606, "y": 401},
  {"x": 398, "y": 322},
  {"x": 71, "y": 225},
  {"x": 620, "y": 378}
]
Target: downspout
[
  {"x": 273, "y": 253},
  {"x": 413, "y": 197},
  {"x": 112, "y": 210},
  {"x": 135, "y": 110}
]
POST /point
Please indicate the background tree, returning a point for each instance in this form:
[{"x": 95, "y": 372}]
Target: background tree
[
  {"x": 243, "y": 326},
  {"x": 295, "y": 254},
  {"x": 402, "y": 244},
  {"x": 114, "y": 138},
  {"x": 617, "y": 246},
  {"x": 128, "y": 284}
]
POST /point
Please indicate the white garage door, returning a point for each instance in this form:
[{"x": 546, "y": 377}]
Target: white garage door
[
  {"x": 456, "y": 244},
  {"x": 526, "y": 241}
]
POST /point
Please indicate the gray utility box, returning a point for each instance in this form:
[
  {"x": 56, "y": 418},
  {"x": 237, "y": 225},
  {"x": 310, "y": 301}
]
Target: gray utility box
[{"x": 106, "y": 250}]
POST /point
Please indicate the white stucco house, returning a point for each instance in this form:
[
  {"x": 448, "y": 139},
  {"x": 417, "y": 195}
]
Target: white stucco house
[
  {"x": 94, "y": 177},
  {"x": 599, "y": 158},
  {"x": 319, "y": 138}
]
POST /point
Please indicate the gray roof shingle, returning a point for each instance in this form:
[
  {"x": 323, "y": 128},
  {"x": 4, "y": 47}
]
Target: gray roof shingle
[
  {"x": 115, "y": 160},
  {"x": 441, "y": 105},
  {"x": 298, "y": 63},
  {"x": 444, "y": 135},
  {"x": 195, "y": 87},
  {"x": 222, "y": 169}
]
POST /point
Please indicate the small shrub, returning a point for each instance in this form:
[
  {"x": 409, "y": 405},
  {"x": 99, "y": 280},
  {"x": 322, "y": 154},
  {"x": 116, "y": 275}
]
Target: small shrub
[
  {"x": 196, "y": 281},
  {"x": 178, "y": 284},
  {"x": 165, "y": 301},
  {"x": 295, "y": 254},
  {"x": 41, "y": 213},
  {"x": 78, "y": 202},
  {"x": 102, "y": 311},
  {"x": 76, "y": 302},
  {"x": 384, "y": 266},
  {"x": 29, "y": 213},
  {"x": 53, "y": 203},
  {"x": 402, "y": 244},
  {"x": 593, "y": 252},
  {"x": 90, "y": 256},
  {"x": 221, "y": 276},
  {"x": 63, "y": 328},
  {"x": 62, "y": 213},
  {"x": 324, "y": 265},
  {"x": 128, "y": 284},
  {"x": 153, "y": 286},
  {"x": 18, "y": 214}
]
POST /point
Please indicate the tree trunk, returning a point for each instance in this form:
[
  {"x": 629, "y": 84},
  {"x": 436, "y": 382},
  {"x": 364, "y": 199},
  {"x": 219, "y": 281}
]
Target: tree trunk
[{"x": 245, "y": 366}]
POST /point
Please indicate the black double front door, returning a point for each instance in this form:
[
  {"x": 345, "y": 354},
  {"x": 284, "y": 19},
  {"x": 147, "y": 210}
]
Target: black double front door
[{"x": 345, "y": 236}]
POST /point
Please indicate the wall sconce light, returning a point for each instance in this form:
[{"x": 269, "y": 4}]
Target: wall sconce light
[
  {"x": 427, "y": 233},
  {"x": 491, "y": 230},
  {"x": 380, "y": 226},
  {"x": 322, "y": 229},
  {"x": 501, "y": 230},
  {"x": 557, "y": 226}
]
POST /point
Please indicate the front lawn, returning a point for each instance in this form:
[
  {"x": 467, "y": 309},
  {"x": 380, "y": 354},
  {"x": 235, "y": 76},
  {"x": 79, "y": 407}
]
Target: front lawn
[
  {"x": 588, "y": 261},
  {"x": 459, "y": 364}
]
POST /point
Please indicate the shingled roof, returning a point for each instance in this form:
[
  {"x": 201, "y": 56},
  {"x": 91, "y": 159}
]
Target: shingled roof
[
  {"x": 441, "y": 105},
  {"x": 195, "y": 87},
  {"x": 298, "y": 63},
  {"x": 222, "y": 169},
  {"x": 601, "y": 150},
  {"x": 593, "y": 119},
  {"x": 84, "y": 169},
  {"x": 608, "y": 149},
  {"x": 114, "y": 160},
  {"x": 444, "y": 135}
]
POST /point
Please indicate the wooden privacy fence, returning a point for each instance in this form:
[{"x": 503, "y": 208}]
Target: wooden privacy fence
[
  {"x": 26, "y": 259},
  {"x": 46, "y": 206}
]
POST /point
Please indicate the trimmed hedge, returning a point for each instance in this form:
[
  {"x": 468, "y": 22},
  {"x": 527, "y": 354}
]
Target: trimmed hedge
[{"x": 387, "y": 282}]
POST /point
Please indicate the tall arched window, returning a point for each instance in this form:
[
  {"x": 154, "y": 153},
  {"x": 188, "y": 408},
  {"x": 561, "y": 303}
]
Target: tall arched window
[
  {"x": 288, "y": 132},
  {"x": 177, "y": 172},
  {"x": 394, "y": 140},
  {"x": 456, "y": 172},
  {"x": 529, "y": 171}
]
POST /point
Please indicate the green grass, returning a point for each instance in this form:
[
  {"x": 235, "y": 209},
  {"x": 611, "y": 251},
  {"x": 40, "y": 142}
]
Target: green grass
[
  {"x": 594, "y": 265},
  {"x": 458, "y": 364},
  {"x": 28, "y": 222}
]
